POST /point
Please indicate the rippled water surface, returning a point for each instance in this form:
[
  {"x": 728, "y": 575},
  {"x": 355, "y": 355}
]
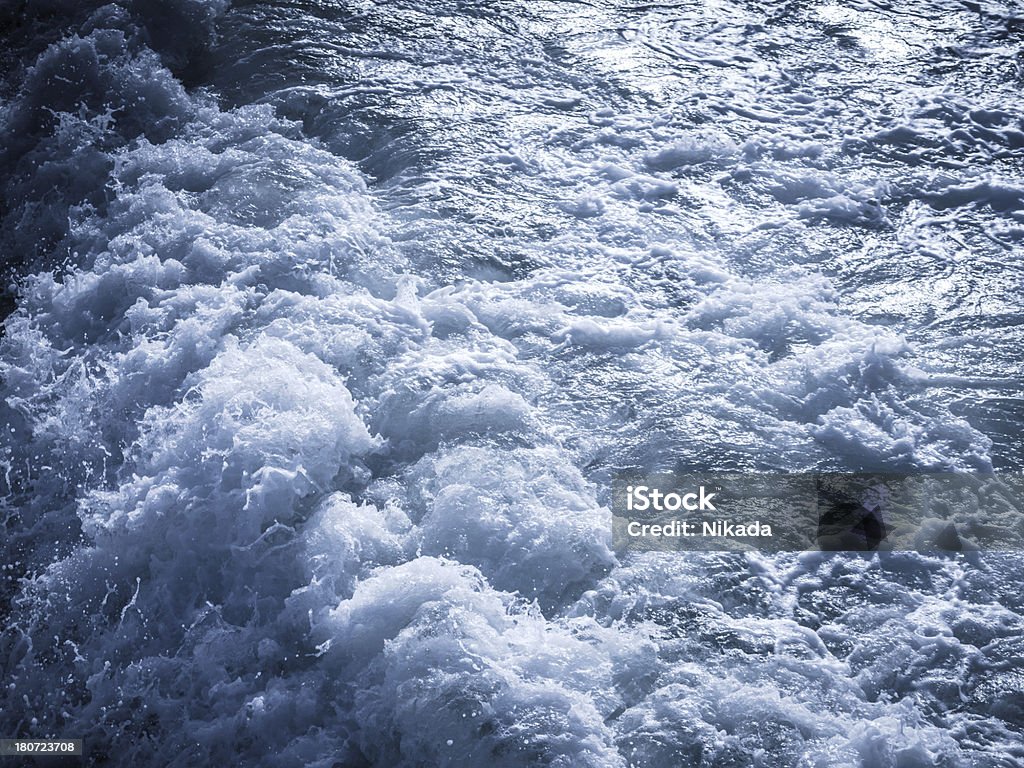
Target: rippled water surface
[{"x": 330, "y": 323}]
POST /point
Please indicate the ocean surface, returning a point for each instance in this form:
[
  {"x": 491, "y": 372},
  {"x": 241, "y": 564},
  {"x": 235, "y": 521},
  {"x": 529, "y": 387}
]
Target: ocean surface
[{"x": 329, "y": 324}]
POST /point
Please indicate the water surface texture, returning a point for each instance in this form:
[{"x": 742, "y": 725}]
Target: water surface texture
[{"x": 330, "y": 323}]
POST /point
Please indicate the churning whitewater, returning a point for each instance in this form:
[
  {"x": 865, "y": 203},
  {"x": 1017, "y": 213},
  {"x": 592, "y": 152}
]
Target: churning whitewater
[{"x": 329, "y": 324}]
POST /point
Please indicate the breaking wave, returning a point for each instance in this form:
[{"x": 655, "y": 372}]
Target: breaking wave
[{"x": 329, "y": 324}]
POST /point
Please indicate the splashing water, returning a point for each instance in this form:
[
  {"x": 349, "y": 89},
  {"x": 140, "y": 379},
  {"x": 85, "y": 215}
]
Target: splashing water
[{"x": 330, "y": 323}]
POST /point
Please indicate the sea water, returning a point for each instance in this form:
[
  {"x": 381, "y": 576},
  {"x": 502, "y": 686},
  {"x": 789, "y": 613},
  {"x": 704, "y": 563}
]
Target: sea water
[{"x": 331, "y": 322}]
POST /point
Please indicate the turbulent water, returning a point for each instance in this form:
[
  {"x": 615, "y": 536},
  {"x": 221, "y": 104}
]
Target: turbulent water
[{"x": 330, "y": 323}]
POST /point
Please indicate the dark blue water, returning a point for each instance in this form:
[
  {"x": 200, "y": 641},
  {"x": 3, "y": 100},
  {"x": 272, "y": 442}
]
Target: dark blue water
[{"x": 330, "y": 323}]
